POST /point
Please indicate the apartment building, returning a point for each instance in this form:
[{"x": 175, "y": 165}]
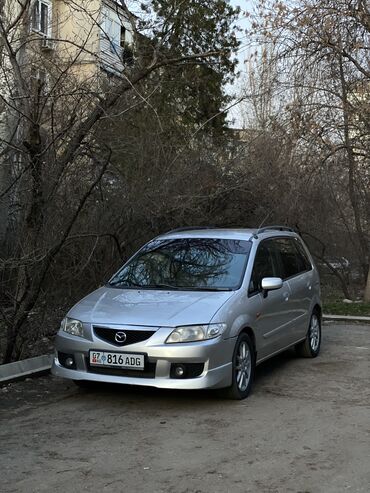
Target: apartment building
[
  {"x": 69, "y": 45},
  {"x": 93, "y": 35}
]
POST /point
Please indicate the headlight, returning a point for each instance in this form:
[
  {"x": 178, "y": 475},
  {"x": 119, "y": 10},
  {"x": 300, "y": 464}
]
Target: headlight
[
  {"x": 193, "y": 333},
  {"x": 72, "y": 326}
]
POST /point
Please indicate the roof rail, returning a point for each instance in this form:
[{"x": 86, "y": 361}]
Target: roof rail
[
  {"x": 189, "y": 228},
  {"x": 274, "y": 228}
]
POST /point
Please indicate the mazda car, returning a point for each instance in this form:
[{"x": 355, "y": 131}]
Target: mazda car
[{"x": 196, "y": 308}]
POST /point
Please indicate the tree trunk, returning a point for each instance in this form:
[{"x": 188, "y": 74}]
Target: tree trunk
[{"x": 367, "y": 288}]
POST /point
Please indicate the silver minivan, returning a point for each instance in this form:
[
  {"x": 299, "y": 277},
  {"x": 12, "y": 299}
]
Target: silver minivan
[{"x": 196, "y": 308}]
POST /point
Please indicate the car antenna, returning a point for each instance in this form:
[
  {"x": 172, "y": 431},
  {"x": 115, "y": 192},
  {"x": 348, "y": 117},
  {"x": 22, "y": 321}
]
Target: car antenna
[{"x": 262, "y": 223}]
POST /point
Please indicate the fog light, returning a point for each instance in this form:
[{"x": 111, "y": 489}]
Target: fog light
[
  {"x": 179, "y": 371},
  {"x": 69, "y": 362}
]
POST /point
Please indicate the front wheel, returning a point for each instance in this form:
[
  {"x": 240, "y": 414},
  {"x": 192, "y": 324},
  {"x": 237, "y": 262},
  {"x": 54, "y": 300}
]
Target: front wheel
[
  {"x": 242, "y": 369},
  {"x": 310, "y": 347}
]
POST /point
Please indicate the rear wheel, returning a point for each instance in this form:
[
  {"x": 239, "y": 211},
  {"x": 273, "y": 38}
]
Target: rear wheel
[
  {"x": 242, "y": 369},
  {"x": 310, "y": 347}
]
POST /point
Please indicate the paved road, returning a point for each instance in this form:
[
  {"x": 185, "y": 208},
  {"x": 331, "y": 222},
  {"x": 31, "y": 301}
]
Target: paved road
[{"x": 305, "y": 429}]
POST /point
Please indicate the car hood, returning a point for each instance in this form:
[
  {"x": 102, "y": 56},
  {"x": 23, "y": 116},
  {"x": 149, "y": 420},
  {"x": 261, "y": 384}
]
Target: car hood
[{"x": 149, "y": 307}]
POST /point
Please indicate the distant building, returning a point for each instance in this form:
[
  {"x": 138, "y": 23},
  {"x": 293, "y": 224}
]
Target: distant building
[
  {"x": 359, "y": 100},
  {"x": 91, "y": 34}
]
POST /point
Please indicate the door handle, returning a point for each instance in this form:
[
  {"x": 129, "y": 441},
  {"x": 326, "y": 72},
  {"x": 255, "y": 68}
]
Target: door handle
[{"x": 286, "y": 296}]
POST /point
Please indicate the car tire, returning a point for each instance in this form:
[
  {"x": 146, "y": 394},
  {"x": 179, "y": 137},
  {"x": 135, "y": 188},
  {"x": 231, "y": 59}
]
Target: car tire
[
  {"x": 243, "y": 368},
  {"x": 310, "y": 347}
]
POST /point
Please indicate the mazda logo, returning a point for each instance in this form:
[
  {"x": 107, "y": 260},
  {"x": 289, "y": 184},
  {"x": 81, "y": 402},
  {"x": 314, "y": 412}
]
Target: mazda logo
[{"x": 120, "y": 337}]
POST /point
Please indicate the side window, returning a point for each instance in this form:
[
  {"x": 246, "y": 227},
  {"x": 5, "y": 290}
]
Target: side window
[
  {"x": 41, "y": 16},
  {"x": 292, "y": 261},
  {"x": 264, "y": 266},
  {"x": 302, "y": 253}
]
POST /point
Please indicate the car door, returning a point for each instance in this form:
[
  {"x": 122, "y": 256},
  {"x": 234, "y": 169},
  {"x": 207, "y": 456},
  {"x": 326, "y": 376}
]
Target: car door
[
  {"x": 297, "y": 272},
  {"x": 273, "y": 316}
]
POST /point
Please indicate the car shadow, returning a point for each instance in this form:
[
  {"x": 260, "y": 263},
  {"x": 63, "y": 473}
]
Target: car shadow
[
  {"x": 279, "y": 362},
  {"x": 264, "y": 371}
]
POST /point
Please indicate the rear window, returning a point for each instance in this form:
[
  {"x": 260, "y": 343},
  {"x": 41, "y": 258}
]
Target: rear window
[{"x": 293, "y": 257}]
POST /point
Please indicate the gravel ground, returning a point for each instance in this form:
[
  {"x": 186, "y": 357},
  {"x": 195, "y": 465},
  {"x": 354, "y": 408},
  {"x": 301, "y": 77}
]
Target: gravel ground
[{"x": 304, "y": 429}]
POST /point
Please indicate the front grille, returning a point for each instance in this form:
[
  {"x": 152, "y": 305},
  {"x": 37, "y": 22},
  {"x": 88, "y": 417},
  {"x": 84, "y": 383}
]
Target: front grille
[
  {"x": 132, "y": 336},
  {"x": 148, "y": 372}
]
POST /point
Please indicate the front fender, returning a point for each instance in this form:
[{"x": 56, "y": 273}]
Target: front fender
[
  {"x": 240, "y": 312},
  {"x": 240, "y": 323}
]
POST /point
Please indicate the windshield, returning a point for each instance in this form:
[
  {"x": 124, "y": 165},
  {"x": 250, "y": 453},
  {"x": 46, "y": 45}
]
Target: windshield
[{"x": 186, "y": 263}]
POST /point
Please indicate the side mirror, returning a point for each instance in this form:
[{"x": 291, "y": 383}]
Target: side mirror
[{"x": 270, "y": 283}]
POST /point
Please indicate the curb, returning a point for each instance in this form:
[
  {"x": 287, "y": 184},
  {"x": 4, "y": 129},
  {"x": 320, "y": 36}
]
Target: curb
[
  {"x": 347, "y": 318},
  {"x": 25, "y": 368}
]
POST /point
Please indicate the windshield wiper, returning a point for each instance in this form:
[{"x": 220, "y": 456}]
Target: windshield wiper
[
  {"x": 161, "y": 285},
  {"x": 124, "y": 284},
  {"x": 131, "y": 284},
  {"x": 208, "y": 288},
  {"x": 188, "y": 288}
]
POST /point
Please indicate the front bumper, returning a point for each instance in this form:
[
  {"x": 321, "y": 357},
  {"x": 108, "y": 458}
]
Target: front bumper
[{"x": 215, "y": 354}]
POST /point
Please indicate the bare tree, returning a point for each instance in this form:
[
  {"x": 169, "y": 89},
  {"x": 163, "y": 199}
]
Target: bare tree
[
  {"x": 55, "y": 102},
  {"x": 318, "y": 81}
]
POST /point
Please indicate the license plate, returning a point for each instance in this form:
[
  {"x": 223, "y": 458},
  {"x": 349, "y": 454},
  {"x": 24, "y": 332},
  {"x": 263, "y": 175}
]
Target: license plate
[{"x": 117, "y": 360}]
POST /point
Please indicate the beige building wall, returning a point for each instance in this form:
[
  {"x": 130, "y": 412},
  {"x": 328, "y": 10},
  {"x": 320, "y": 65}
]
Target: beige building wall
[
  {"x": 75, "y": 28},
  {"x": 84, "y": 36}
]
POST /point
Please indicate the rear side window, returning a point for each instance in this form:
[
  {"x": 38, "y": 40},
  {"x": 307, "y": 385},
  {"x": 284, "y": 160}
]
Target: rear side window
[
  {"x": 302, "y": 252},
  {"x": 293, "y": 261},
  {"x": 264, "y": 266}
]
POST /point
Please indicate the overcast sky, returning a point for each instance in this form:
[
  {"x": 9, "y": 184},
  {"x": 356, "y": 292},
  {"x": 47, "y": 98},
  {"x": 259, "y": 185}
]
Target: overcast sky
[
  {"x": 243, "y": 24},
  {"x": 235, "y": 88}
]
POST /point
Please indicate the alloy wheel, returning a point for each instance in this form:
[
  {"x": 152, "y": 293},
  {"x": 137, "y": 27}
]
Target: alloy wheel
[
  {"x": 243, "y": 366},
  {"x": 314, "y": 333}
]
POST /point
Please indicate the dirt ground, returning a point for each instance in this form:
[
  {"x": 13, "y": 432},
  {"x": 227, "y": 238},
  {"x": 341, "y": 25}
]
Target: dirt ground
[{"x": 304, "y": 429}]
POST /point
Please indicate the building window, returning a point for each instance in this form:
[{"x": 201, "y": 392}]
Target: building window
[
  {"x": 112, "y": 32},
  {"x": 127, "y": 55},
  {"x": 123, "y": 37},
  {"x": 40, "y": 80},
  {"x": 41, "y": 17}
]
